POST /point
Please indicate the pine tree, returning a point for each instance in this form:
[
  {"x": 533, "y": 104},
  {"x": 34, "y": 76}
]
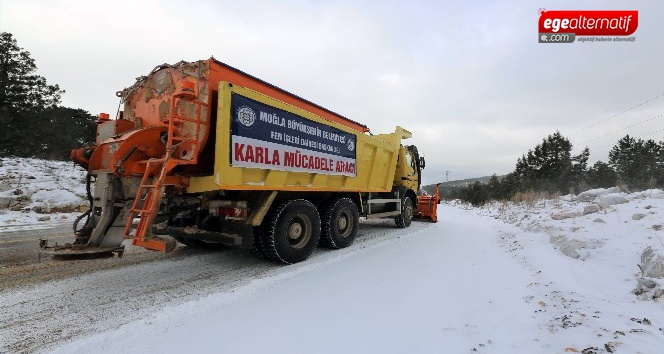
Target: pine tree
[
  {"x": 494, "y": 188},
  {"x": 550, "y": 166},
  {"x": 20, "y": 88},
  {"x": 623, "y": 159},
  {"x": 29, "y": 113},
  {"x": 637, "y": 162},
  {"x": 650, "y": 153},
  {"x": 76, "y": 128},
  {"x": 601, "y": 175},
  {"x": 579, "y": 168},
  {"x": 509, "y": 185},
  {"x": 22, "y": 95},
  {"x": 475, "y": 193},
  {"x": 659, "y": 165}
]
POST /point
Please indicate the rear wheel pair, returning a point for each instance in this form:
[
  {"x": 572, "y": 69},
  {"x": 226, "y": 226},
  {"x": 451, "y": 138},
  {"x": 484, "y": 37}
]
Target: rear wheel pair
[
  {"x": 340, "y": 223},
  {"x": 291, "y": 231}
]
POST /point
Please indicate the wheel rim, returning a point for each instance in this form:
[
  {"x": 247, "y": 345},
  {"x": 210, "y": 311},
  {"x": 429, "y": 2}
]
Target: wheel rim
[
  {"x": 345, "y": 224},
  {"x": 299, "y": 231}
]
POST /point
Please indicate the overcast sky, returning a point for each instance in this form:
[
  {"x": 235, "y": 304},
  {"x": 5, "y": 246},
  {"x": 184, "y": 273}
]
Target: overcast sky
[{"x": 468, "y": 78}]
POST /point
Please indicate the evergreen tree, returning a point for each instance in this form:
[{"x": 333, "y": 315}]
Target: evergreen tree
[
  {"x": 623, "y": 159},
  {"x": 21, "y": 89},
  {"x": 22, "y": 94},
  {"x": 509, "y": 185},
  {"x": 494, "y": 188},
  {"x": 579, "y": 168},
  {"x": 637, "y": 162},
  {"x": 475, "y": 193},
  {"x": 33, "y": 124},
  {"x": 550, "y": 166},
  {"x": 650, "y": 159},
  {"x": 524, "y": 174},
  {"x": 601, "y": 175},
  {"x": 75, "y": 128}
]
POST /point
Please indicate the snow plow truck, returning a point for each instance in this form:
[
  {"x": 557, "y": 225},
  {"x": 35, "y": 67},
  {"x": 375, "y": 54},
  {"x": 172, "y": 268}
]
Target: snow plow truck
[{"x": 207, "y": 155}]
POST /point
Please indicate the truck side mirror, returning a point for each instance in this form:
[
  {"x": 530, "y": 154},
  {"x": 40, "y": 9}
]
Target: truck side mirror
[{"x": 422, "y": 164}]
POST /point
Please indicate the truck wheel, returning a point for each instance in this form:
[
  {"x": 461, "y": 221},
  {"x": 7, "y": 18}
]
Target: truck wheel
[
  {"x": 257, "y": 247},
  {"x": 292, "y": 232},
  {"x": 403, "y": 221},
  {"x": 340, "y": 222}
]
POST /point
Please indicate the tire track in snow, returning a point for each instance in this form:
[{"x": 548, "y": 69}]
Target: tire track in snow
[{"x": 39, "y": 315}]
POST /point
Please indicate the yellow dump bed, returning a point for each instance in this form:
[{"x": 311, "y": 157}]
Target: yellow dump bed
[{"x": 265, "y": 144}]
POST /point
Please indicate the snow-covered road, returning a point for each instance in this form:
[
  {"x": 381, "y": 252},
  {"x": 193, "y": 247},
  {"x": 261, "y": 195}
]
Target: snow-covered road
[
  {"x": 91, "y": 296},
  {"x": 437, "y": 289},
  {"x": 468, "y": 284}
]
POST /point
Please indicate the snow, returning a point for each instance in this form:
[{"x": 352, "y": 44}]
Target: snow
[
  {"x": 502, "y": 278},
  {"x": 34, "y": 190},
  {"x": 591, "y": 194},
  {"x": 368, "y": 301}
]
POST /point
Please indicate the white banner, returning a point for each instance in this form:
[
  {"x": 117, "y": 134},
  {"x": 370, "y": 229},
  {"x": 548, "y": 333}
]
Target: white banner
[{"x": 248, "y": 152}]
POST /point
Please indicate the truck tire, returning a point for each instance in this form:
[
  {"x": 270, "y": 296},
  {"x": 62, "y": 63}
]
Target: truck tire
[
  {"x": 292, "y": 232},
  {"x": 257, "y": 246},
  {"x": 403, "y": 221},
  {"x": 340, "y": 223}
]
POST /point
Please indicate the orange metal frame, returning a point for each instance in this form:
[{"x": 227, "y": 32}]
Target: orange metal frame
[
  {"x": 148, "y": 207},
  {"x": 427, "y": 206}
]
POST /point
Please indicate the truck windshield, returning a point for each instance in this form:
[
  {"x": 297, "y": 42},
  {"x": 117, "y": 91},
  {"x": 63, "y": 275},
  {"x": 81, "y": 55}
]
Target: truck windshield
[{"x": 409, "y": 160}]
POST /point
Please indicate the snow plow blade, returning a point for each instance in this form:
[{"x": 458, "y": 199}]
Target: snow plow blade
[
  {"x": 427, "y": 206},
  {"x": 78, "y": 251}
]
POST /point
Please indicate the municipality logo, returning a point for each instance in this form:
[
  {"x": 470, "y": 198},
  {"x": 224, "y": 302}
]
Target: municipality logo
[
  {"x": 351, "y": 144},
  {"x": 246, "y": 116}
]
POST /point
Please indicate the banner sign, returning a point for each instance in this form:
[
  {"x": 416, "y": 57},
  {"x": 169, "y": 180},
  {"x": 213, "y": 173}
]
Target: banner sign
[{"x": 266, "y": 137}]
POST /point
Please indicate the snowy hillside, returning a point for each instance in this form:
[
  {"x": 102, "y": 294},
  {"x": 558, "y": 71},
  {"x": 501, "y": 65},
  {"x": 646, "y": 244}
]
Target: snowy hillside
[
  {"x": 33, "y": 190},
  {"x": 604, "y": 229},
  {"x": 578, "y": 274}
]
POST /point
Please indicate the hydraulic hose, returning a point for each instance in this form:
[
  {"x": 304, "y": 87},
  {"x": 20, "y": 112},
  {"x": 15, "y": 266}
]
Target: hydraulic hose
[{"x": 88, "y": 182}]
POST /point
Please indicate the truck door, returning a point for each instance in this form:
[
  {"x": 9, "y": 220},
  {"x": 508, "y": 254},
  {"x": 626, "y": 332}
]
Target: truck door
[{"x": 416, "y": 164}]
